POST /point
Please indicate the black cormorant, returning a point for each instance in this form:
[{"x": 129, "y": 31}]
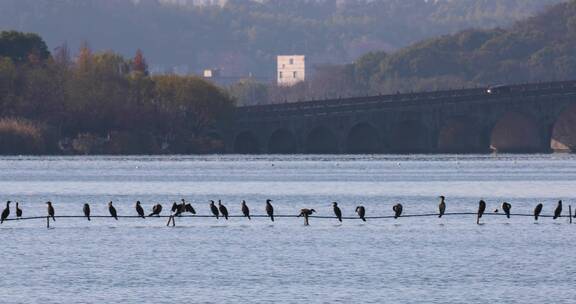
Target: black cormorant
[
  {"x": 180, "y": 208},
  {"x": 537, "y": 211},
  {"x": 112, "y": 211},
  {"x": 442, "y": 206},
  {"x": 558, "y": 210},
  {"x": 174, "y": 207},
  {"x": 337, "y": 211},
  {"x": 361, "y": 212},
  {"x": 270, "y": 209},
  {"x": 305, "y": 213},
  {"x": 86, "y": 210},
  {"x": 51, "y": 210},
  {"x": 245, "y": 209},
  {"x": 506, "y": 208},
  {"x": 223, "y": 210},
  {"x": 397, "y": 210},
  {"x": 188, "y": 207},
  {"x": 139, "y": 210},
  {"x": 5, "y": 212},
  {"x": 156, "y": 209},
  {"x": 18, "y": 211},
  {"x": 481, "y": 209},
  {"x": 214, "y": 209}
]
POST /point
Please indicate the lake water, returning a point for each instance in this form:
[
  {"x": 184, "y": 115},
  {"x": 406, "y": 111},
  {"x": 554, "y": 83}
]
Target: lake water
[{"x": 204, "y": 260}]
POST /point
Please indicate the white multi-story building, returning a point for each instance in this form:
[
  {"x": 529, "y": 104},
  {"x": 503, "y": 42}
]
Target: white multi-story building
[
  {"x": 291, "y": 69},
  {"x": 211, "y": 73}
]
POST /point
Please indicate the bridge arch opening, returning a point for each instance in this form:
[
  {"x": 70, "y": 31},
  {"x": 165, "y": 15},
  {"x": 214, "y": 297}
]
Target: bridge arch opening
[
  {"x": 409, "y": 137},
  {"x": 321, "y": 140},
  {"x": 246, "y": 143},
  {"x": 515, "y": 133},
  {"x": 460, "y": 135},
  {"x": 564, "y": 131},
  {"x": 282, "y": 141},
  {"x": 363, "y": 138}
]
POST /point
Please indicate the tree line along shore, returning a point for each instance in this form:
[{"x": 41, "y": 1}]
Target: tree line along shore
[{"x": 100, "y": 103}]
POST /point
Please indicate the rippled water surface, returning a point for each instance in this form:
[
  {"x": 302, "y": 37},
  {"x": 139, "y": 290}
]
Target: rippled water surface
[{"x": 204, "y": 260}]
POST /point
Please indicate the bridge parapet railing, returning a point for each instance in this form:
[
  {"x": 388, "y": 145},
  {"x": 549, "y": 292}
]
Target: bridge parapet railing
[
  {"x": 355, "y": 101},
  {"x": 393, "y": 100}
]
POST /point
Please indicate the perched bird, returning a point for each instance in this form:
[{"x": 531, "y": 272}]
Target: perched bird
[
  {"x": 223, "y": 210},
  {"x": 139, "y": 209},
  {"x": 174, "y": 207},
  {"x": 537, "y": 211},
  {"x": 189, "y": 208},
  {"x": 214, "y": 209},
  {"x": 5, "y": 212},
  {"x": 361, "y": 212},
  {"x": 86, "y": 210},
  {"x": 305, "y": 213},
  {"x": 558, "y": 210},
  {"x": 156, "y": 209},
  {"x": 481, "y": 209},
  {"x": 18, "y": 211},
  {"x": 112, "y": 211},
  {"x": 442, "y": 206},
  {"x": 270, "y": 209},
  {"x": 245, "y": 209},
  {"x": 397, "y": 210},
  {"x": 506, "y": 208},
  {"x": 180, "y": 208},
  {"x": 51, "y": 210},
  {"x": 337, "y": 211}
]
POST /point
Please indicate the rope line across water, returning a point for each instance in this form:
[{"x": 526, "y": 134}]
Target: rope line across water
[{"x": 283, "y": 216}]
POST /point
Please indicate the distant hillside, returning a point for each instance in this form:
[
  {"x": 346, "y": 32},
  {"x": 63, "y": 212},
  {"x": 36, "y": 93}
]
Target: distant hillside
[
  {"x": 539, "y": 48},
  {"x": 245, "y": 36},
  {"x": 536, "y": 49}
]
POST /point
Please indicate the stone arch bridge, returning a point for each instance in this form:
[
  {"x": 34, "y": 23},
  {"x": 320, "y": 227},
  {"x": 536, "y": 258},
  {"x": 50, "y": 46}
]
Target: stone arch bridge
[{"x": 527, "y": 118}]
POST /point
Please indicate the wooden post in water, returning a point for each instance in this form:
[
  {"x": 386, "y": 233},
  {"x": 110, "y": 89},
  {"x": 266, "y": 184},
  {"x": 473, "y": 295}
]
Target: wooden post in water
[
  {"x": 570, "y": 213},
  {"x": 48, "y": 222},
  {"x": 171, "y": 219}
]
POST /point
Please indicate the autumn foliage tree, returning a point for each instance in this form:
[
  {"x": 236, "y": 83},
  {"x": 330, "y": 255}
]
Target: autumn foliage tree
[
  {"x": 139, "y": 63},
  {"x": 101, "y": 102}
]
